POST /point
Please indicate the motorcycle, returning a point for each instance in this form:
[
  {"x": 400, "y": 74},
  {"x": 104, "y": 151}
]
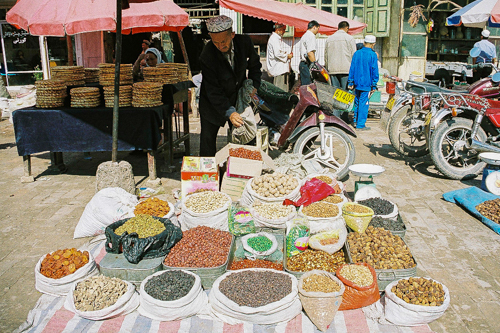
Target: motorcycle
[{"x": 311, "y": 127}]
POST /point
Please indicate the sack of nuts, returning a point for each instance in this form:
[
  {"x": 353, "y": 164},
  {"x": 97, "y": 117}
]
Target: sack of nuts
[{"x": 361, "y": 287}]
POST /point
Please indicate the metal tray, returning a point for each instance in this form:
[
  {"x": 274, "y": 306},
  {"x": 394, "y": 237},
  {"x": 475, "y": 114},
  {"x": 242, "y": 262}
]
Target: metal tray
[
  {"x": 207, "y": 274},
  {"x": 400, "y": 233}
]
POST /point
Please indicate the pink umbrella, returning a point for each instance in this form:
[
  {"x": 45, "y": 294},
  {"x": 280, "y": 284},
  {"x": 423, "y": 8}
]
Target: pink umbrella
[{"x": 69, "y": 17}]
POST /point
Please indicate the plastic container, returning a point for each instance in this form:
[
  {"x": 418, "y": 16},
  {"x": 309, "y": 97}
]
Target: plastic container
[
  {"x": 207, "y": 274},
  {"x": 390, "y": 87},
  {"x": 115, "y": 265},
  {"x": 386, "y": 276}
]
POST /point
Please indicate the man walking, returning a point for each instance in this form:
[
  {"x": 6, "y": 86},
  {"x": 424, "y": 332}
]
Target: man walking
[
  {"x": 308, "y": 52},
  {"x": 339, "y": 49},
  {"x": 488, "y": 55},
  {"x": 224, "y": 62},
  {"x": 363, "y": 77},
  {"x": 278, "y": 57}
]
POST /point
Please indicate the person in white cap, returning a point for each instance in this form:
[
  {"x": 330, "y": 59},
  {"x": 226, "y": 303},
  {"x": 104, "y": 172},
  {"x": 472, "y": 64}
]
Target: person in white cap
[
  {"x": 488, "y": 55},
  {"x": 224, "y": 62},
  {"x": 363, "y": 78},
  {"x": 278, "y": 57}
]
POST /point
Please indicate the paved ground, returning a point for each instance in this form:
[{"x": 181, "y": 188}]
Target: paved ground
[{"x": 449, "y": 244}]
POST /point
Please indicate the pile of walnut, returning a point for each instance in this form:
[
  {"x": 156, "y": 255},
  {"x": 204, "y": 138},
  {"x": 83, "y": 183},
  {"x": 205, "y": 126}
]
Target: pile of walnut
[
  {"x": 419, "y": 291},
  {"x": 63, "y": 262},
  {"x": 380, "y": 248},
  {"x": 153, "y": 207},
  {"x": 490, "y": 209},
  {"x": 98, "y": 292},
  {"x": 274, "y": 185}
]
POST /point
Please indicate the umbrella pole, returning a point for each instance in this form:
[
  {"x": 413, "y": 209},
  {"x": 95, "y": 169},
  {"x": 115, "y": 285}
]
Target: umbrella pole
[
  {"x": 183, "y": 48},
  {"x": 118, "y": 56}
]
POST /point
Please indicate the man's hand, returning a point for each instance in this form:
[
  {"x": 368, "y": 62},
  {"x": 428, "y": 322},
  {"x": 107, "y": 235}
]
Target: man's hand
[
  {"x": 290, "y": 56},
  {"x": 351, "y": 87},
  {"x": 236, "y": 119}
]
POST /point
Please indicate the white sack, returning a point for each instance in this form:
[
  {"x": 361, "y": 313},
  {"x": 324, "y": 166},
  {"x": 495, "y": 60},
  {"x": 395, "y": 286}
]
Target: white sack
[
  {"x": 279, "y": 223},
  {"x": 107, "y": 206},
  {"x": 216, "y": 219},
  {"x": 127, "y": 303},
  {"x": 319, "y": 224},
  {"x": 331, "y": 249},
  {"x": 61, "y": 287},
  {"x": 249, "y": 195}
]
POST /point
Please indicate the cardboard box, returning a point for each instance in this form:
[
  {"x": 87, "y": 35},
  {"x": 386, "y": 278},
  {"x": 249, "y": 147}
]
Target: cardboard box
[
  {"x": 243, "y": 168},
  {"x": 233, "y": 186},
  {"x": 199, "y": 173}
]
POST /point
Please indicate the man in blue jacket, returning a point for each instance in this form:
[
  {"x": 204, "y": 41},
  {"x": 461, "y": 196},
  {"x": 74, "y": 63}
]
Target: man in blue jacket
[{"x": 363, "y": 77}]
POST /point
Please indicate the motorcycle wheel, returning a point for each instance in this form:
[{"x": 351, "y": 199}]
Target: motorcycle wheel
[
  {"x": 402, "y": 134},
  {"x": 449, "y": 152},
  {"x": 339, "y": 154}
]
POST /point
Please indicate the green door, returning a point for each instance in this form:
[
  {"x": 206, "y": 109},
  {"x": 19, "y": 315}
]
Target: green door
[{"x": 377, "y": 17}]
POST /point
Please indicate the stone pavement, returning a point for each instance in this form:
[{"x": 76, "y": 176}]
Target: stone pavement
[{"x": 449, "y": 245}]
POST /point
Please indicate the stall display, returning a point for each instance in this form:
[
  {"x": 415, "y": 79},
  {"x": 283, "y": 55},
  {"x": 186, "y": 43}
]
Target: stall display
[
  {"x": 361, "y": 287},
  {"x": 208, "y": 208},
  {"x": 63, "y": 262},
  {"x": 329, "y": 241},
  {"x": 146, "y": 94},
  {"x": 245, "y": 153},
  {"x": 321, "y": 209},
  {"x": 274, "y": 185},
  {"x": 490, "y": 209},
  {"x": 85, "y": 97},
  {"x": 124, "y": 100},
  {"x": 396, "y": 227},
  {"x": 167, "y": 73},
  {"x": 50, "y": 93},
  {"x": 153, "y": 206},
  {"x": 271, "y": 214},
  {"x": 71, "y": 75},
  {"x": 91, "y": 75},
  {"x": 107, "y": 74},
  {"x": 381, "y": 207},
  {"x": 206, "y": 201},
  {"x": 314, "y": 259}
]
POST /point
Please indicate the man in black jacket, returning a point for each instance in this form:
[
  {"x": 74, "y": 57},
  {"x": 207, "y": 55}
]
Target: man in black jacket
[{"x": 224, "y": 63}]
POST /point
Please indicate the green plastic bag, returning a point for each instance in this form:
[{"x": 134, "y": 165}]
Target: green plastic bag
[{"x": 240, "y": 221}]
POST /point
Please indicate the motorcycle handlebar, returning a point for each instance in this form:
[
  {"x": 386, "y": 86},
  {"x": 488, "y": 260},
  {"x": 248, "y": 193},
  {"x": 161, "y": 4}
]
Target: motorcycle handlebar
[{"x": 394, "y": 78}]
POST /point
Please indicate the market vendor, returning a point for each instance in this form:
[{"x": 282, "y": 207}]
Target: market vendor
[
  {"x": 152, "y": 57},
  {"x": 488, "y": 55},
  {"x": 224, "y": 63}
]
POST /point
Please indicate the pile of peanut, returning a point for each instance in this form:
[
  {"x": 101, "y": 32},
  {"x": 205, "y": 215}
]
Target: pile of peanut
[
  {"x": 273, "y": 210},
  {"x": 358, "y": 274},
  {"x": 207, "y": 201}
]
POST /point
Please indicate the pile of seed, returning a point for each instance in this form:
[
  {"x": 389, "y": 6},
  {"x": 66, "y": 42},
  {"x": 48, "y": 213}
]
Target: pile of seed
[
  {"x": 98, "y": 292},
  {"x": 360, "y": 275},
  {"x": 258, "y": 263},
  {"x": 420, "y": 291},
  {"x": 314, "y": 259},
  {"x": 144, "y": 225},
  {"x": 320, "y": 283},
  {"x": 245, "y": 153},
  {"x": 256, "y": 288},
  {"x": 380, "y": 206},
  {"x": 207, "y": 201},
  {"x": 325, "y": 179},
  {"x": 380, "y": 248},
  {"x": 490, "y": 209},
  {"x": 260, "y": 243},
  {"x": 334, "y": 199},
  {"x": 170, "y": 285},
  {"x": 272, "y": 210},
  {"x": 388, "y": 224},
  {"x": 321, "y": 209},
  {"x": 200, "y": 247},
  {"x": 152, "y": 206}
]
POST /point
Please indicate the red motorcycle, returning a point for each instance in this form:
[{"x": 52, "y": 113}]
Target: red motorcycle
[{"x": 312, "y": 128}]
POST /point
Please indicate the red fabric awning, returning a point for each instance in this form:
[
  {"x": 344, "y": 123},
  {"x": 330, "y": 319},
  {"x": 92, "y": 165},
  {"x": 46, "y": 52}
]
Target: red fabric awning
[{"x": 297, "y": 15}]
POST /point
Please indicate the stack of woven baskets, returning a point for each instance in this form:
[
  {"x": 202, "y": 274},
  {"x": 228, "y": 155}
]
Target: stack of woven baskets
[
  {"x": 85, "y": 97},
  {"x": 50, "y": 93},
  {"x": 107, "y": 74},
  {"x": 166, "y": 73},
  {"x": 125, "y": 98},
  {"x": 71, "y": 75},
  {"x": 91, "y": 75},
  {"x": 146, "y": 94}
]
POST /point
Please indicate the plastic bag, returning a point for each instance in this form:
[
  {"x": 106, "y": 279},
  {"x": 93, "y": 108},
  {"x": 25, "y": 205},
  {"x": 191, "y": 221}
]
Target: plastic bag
[
  {"x": 340, "y": 233},
  {"x": 61, "y": 287},
  {"x": 356, "y": 221},
  {"x": 320, "y": 307},
  {"x": 246, "y": 132},
  {"x": 106, "y": 207},
  {"x": 356, "y": 297},
  {"x": 284, "y": 310},
  {"x": 254, "y": 254},
  {"x": 127, "y": 303},
  {"x": 195, "y": 302},
  {"x": 240, "y": 220},
  {"x": 297, "y": 238},
  {"x": 135, "y": 249},
  {"x": 312, "y": 191}
]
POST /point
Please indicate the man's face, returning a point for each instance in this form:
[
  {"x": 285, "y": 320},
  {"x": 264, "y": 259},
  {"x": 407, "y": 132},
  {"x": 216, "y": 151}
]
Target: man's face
[
  {"x": 144, "y": 46},
  {"x": 223, "y": 40},
  {"x": 315, "y": 30},
  {"x": 281, "y": 31}
]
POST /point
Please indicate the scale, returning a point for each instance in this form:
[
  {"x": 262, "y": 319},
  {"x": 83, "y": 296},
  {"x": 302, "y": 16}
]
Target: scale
[
  {"x": 366, "y": 171},
  {"x": 491, "y": 172}
]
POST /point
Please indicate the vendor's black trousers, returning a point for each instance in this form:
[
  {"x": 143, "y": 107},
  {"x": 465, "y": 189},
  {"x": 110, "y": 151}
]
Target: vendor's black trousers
[{"x": 208, "y": 138}]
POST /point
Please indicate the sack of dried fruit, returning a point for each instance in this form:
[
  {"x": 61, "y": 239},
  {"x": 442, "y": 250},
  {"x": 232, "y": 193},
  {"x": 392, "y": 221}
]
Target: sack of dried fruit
[
  {"x": 361, "y": 288},
  {"x": 56, "y": 272},
  {"x": 320, "y": 293}
]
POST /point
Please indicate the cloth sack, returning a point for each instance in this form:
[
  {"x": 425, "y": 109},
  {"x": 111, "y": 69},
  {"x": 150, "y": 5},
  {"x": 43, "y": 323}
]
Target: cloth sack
[
  {"x": 314, "y": 240},
  {"x": 320, "y": 307},
  {"x": 216, "y": 219},
  {"x": 127, "y": 303},
  {"x": 282, "y": 311},
  {"x": 279, "y": 223},
  {"x": 249, "y": 195},
  {"x": 319, "y": 224},
  {"x": 62, "y": 286},
  {"x": 195, "y": 302},
  {"x": 355, "y": 296},
  {"x": 107, "y": 206}
]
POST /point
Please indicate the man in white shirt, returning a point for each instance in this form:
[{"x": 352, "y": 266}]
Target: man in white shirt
[
  {"x": 488, "y": 55},
  {"x": 339, "y": 49},
  {"x": 308, "y": 52},
  {"x": 278, "y": 57}
]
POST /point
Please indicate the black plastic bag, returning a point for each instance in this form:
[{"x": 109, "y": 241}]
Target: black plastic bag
[{"x": 135, "y": 249}]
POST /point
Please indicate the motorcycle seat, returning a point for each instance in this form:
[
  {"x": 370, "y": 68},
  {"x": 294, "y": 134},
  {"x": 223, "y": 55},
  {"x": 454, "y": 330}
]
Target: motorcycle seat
[{"x": 423, "y": 87}]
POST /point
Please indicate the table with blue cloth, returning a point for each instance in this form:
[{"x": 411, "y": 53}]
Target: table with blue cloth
[{"x": 66, "y": 129}]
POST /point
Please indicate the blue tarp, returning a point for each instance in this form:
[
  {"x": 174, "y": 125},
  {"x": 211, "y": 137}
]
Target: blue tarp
[{"x": 469, "y": 198}]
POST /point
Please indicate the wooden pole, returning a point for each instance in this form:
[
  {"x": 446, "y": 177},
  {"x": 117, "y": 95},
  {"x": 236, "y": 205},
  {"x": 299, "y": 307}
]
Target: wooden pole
[
  {"x": 69, "y": 43},
  {"x": 118, "y": 56}
]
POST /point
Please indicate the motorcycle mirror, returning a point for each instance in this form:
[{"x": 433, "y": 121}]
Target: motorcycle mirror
[
  {"x": 475, "y": 52},
  {"x": 496, "y": 77}
]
